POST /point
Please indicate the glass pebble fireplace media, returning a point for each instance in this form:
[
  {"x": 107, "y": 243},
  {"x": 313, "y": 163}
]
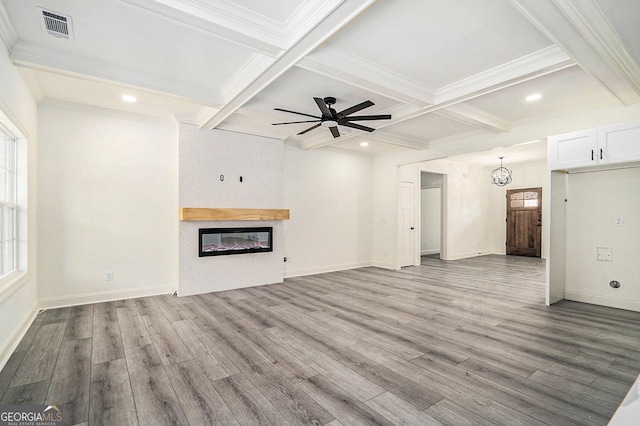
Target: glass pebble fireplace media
[{"x": 223, "y": 241}]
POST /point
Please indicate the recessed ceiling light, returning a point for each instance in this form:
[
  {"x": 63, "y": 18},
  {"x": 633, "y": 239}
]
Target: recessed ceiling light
[
  {"x": 129, "y": 98},
  {"x": 534, "y": 97},
  {"x": 364, "y": 143}
]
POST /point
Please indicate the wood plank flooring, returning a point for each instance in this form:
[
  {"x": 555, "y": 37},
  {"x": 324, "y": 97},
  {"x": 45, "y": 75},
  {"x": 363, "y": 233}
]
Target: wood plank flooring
[{"x": 453, "y": 343}]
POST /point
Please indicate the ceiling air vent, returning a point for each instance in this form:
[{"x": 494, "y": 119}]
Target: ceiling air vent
[{"x": 56, "y": 24}]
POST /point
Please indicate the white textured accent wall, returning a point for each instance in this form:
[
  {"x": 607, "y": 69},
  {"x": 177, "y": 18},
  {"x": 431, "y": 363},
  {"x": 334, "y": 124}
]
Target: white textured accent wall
[{"x": 205, "y": 155}]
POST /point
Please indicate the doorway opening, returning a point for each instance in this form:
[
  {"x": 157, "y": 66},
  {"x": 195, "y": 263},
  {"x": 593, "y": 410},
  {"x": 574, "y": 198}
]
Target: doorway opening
[{"x": 431, "y": 188}]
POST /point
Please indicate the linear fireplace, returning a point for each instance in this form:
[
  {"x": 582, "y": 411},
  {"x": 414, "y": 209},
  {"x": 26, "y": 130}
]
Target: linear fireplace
[{"x": 222, "y": 241}]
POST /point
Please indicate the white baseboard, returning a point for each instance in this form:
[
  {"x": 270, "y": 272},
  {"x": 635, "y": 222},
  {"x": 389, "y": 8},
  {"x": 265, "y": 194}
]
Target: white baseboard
[
  {"x": 385, "y": 265},
  {"x": 12, "y": 342},
  {"x": 597, "y": 299},
  {"x": 102, "y": 296},
  {"x": 324, "y": 269}
]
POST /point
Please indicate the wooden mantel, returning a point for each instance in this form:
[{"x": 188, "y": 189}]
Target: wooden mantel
[{"x": 195, "y": 213}]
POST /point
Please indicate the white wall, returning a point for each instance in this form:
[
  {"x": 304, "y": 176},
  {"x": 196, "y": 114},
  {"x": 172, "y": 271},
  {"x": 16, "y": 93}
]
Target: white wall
[
  {"x": 466, "y": 208},
  {"x": 595, "y": 200},
  {"x": 525, "y": 175},
  {"x": 108, "y": 202},
  {"x": 204, "y": 156},
  {"x": 330, "y": 195},
  {"x": 18, "y": 298}
]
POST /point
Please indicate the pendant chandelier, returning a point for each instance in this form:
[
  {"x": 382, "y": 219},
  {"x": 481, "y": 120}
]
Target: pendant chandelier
[{"x": 501, "y": 176}]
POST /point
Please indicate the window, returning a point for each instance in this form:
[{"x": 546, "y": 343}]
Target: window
[{"x": 8, "y": 191}]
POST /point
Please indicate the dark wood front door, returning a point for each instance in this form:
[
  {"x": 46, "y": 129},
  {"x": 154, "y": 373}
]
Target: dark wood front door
[{"x": 524, "y": 222}]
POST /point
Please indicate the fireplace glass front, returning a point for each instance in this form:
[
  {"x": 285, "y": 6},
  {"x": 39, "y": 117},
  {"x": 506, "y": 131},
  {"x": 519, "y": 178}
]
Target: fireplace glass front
[{"x": 222, "y": 241}]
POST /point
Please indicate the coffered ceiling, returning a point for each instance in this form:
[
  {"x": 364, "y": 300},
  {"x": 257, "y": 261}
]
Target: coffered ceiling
[{"x": 442, "y": 69}]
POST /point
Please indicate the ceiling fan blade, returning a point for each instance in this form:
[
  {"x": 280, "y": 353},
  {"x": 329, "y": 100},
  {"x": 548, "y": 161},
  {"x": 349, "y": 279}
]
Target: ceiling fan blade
[
  {"x": 309, "y": 129},
  {"x": 296, "y": 122},
  {"x": 355, "y": 108},
  {"x": 357, "y": 126},
  {"x": 367, "y": 117},
  {"x": 334, "y": 131},
  {"x": 294, "y": 112},
  {"x": 322, "y": 106}
]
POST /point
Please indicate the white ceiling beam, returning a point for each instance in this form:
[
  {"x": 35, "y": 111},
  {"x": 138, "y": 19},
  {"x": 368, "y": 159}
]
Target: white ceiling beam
[
  {"x": 212, "y": 20},
  {"x": 382, "y": 136},
  {"x": 528, "y": 67},
  {"x": 340, "y": 17},
  {"x": 474, "y": 117},
  {"x": 32, "y": 83},
  {"x": 581, "y": 29}
]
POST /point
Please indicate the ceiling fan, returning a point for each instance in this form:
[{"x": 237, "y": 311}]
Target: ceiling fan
[{"x": 331, "y": 119}]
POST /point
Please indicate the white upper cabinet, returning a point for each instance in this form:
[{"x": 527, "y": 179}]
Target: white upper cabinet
[
  {"x": 619, "y": 143},
  {"x": 571, "y": 150},
  {"x": 616, "y": 144}
]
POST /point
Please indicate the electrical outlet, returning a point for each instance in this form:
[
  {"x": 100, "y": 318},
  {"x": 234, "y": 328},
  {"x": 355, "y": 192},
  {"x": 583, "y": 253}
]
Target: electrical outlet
[
  {"x": 109, "y": 276},
  {"x": 619, "y": 222}
]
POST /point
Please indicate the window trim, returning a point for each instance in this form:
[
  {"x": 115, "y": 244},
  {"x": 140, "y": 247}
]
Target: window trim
[{"x": 20, "y": 275}]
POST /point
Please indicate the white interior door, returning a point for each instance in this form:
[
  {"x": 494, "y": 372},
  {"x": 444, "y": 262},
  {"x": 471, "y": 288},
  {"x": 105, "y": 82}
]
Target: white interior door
[{"x": 407, "y": 232}]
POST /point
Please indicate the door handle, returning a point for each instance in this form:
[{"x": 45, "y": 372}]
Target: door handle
[
  {"x": 412, "y": 228},
  {"x": 601, "y": 153}
]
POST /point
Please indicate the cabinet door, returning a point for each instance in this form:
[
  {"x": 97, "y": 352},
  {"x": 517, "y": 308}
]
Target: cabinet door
[
  {"x": 619, "y": 143},
  {"x": 571, "y": 150}
]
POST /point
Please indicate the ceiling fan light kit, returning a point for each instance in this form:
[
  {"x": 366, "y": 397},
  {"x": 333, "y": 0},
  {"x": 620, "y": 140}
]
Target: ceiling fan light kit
[{"x": 332, "y": 119}]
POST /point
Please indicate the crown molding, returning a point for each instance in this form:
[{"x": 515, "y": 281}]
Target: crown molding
[
  {"x": 402, "y": 141},
  {"x": 233, "y": 22},
  {"x": 226, "y": 25},
  {"x": 7, "y": 30},
  {"x": 340, "y": 17},
  {"x": 43, "y": 58},
  {"x": 368, "y": 75},
  {"x": 474, "y": 117},
  {"x": 525, "y": 68},
  {"x": 582, "y": 30}
]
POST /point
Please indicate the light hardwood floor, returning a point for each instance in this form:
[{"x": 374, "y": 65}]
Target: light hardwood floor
[{"x": 459, "y": 342}]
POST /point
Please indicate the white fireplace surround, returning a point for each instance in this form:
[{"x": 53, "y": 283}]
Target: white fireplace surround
[{"x": 204, "y": 156}]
